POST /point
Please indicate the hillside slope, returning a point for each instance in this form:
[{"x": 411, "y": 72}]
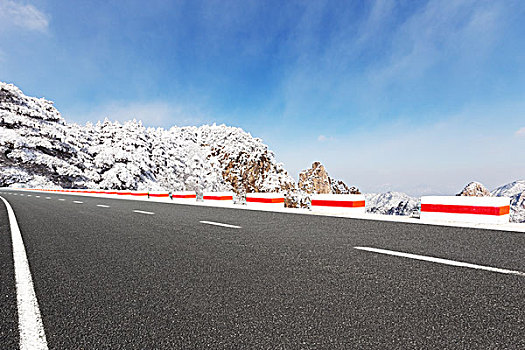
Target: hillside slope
[{"x": 39, "y": 148}]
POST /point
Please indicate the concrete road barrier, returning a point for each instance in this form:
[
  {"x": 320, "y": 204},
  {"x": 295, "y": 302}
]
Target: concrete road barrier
[
  {"x": 338, "y": 203},
  {"x": 184, "y": 195},
  {"x": 486, "y": 210},
  {"x": 219, "y": 197},
  {"x": 265, "y": 200},
  {"x": 158, "y": 194}
]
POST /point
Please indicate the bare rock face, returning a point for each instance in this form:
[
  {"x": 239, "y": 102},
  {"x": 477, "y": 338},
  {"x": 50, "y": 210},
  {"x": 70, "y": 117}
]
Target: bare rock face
[
  {"x": 315, "y": 180},
  {"x": 475, "y": 189}
]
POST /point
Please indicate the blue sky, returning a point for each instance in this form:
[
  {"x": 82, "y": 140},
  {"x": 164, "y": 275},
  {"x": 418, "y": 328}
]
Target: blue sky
[{"x": 415, "y": 96}]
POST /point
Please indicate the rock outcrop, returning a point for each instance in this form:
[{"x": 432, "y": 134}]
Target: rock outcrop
[
  {"x": 314, "y": 180},
  {"x": 516, "y": 191},
  {"x": 317, "y": 181},
  {"x": 474, "y": 189}
]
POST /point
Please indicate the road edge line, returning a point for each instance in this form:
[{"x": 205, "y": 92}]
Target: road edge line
[{"x": 30, "y": 326}]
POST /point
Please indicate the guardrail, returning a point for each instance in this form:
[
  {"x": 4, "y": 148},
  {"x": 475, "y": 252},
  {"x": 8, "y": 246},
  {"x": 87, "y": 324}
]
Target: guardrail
[
  {"x": 486, "y": 210},
  {"x": 483, "y": 210},
  {"x": 338, "y": 203}
]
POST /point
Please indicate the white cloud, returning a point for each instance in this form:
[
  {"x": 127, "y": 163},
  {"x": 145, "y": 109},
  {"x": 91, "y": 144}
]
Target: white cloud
[
  {"x": 521, "y": 132},
  {"x": 324, "y": 138},
  {"x": 27, "y": 17},
  {"x": 155, "y": 114}
]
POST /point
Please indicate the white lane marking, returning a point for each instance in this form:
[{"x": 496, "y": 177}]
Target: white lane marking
[
  {"x": 102, "y": 206},
  {"x": 218, "y": 224},
  {"x": 32, "y": 335},
  {"x": 442, "y": 261},
  {"x": 48, "y": 197},
  {"x": 37, "y": 196},
  {"x": 61, "y": 199},
  {"x": 78, "y": 202},
  {"x": 29, "y": 195},
  {"x": 143, "y": 212}
]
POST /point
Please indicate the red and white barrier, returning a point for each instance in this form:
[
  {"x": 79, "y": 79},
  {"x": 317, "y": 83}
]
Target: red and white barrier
[
  {"x": 218, "y": 197},
  {"x": 158, "y": 194},
  {"x": 339, "y": 203},
  {"x": 184, "y": 195},
  {"x": 483, "y": 210},
  {"x": 265, "y": 200}
]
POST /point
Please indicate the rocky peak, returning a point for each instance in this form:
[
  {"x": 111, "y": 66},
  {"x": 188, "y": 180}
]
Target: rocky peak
[
  {"x": 475, "y": 189},
  {"x": 316, "y": 180}
]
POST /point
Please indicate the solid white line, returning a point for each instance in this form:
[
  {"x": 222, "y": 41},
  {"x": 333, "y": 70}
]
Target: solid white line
[
  {"x": 78, "y": 202},
  {"x": 218, "y": 224},
  {"x": 102, "y": 206},
  {"x": 32, "y": 335},
  {"x": 442, "y": 261},
  {"x": 143, "y": 212}
]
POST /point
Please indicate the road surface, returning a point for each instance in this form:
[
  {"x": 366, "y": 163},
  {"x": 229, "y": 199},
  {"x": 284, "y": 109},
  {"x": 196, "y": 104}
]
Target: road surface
[{"x": 119, "y": 274}]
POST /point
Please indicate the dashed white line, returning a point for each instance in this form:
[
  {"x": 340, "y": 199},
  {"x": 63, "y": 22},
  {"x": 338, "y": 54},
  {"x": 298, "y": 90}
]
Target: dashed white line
[
  {"x": 218, "y": 224},
  {"x": 143, "y": 212},
  {"x": 37, "y": 196},
  {"x": 102, "y": 206},
  {"x": 31, "y": 329},
  {"x": 441, "y": 261},
  {"x": 48, "y": 197},
  {"x": 78, "y": 202},
  {"x": 29, "y": 195},
  {"x": 61, "y": 199}
]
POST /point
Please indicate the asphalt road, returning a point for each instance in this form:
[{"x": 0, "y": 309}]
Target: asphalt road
[{"x": 112, "y": 278}]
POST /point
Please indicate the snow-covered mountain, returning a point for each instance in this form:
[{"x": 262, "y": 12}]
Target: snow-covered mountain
[
  {"x": 516, "y": 191},
  {"x": 390, "y": 203},
  {"x": 38, "y": 148}
]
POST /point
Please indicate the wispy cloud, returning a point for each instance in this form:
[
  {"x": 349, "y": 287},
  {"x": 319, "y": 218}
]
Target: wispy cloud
[
  {"x": 154, "y": 114},
  {"x": 324, "y": 138},
  {"x": 362, "y": 63},
  {"x": 462, "y": 30},
  {"x": 23, "y": 16},
  {"x": 520, "y": 132}
]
